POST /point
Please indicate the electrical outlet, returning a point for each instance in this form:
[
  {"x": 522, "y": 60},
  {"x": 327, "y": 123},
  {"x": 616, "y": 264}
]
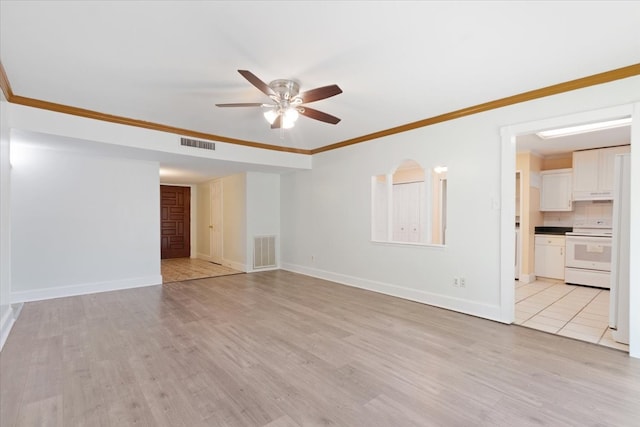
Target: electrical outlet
[
  {"x": 456, "y": 282},
  {"x": 463, "y": 282}
]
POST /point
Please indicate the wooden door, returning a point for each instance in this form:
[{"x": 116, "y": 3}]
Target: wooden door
[{"x": 175, "y": 227}]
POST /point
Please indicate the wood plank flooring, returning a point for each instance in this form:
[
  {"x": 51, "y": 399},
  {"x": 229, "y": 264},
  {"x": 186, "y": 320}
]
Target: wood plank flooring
[{"x": 279, "y": 349}]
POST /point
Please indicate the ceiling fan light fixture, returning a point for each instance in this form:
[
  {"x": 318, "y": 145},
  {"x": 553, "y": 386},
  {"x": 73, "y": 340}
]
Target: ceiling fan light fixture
[
  {"x": 291, "y": 114},
  {"x": 288, "y": 101},
  {"x": 271, "y": 115},
  {"x": 289, "y": 118}
]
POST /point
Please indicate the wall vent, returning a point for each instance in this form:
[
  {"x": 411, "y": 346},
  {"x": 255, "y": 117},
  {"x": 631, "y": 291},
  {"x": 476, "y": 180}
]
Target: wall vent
[
  {"x": 264, "y": 251},
  {"x": 197, "y": 143}
]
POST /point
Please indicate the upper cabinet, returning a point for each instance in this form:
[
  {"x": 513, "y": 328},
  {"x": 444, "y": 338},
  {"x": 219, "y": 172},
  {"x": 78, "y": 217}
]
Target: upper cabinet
[
  {"x": 555, "y": 191},
  {"x": 593, "y": 173}
]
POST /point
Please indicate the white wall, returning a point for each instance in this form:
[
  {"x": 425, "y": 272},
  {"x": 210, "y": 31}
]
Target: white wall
[
  {"x": 81, "y": 223},
  {"x": 53, "y": 123},
  {"x": 234, "y": 222},
  {"x": 263, "y": 210},
  {"x": 326, "y": 211}
]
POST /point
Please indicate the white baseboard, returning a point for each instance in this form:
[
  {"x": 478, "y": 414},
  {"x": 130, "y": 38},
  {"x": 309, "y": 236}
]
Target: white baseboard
[
  {"x": 9, "y": 315},
  {"x": 486, "y": 311},
  {"x": 83, "y": 289},
  {"x": 258, "y": 270},
  {"x": 527, "y": 278}
]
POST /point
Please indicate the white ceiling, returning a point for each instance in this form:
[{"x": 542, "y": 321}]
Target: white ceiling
[
  {"x": 568, "y": 144},
  {"x": 169, "y": 62}
]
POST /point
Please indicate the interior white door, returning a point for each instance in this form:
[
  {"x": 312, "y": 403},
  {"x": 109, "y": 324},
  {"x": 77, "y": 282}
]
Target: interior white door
[
  {"x": 216, "y": 222},
  {"x": 203, "y": 227}
]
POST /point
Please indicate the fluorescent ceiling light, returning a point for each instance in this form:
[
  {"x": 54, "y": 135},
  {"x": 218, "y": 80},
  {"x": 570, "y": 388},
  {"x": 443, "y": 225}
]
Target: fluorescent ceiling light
[{"x": 590, "y": 127}]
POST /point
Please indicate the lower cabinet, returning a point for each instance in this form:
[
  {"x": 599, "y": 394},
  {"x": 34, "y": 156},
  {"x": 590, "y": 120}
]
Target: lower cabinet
[{"x": 549, "y": 256}]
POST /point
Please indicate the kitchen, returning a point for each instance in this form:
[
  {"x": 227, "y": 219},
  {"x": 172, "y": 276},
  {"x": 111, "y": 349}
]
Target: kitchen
[{"x": 572, "y": 222}]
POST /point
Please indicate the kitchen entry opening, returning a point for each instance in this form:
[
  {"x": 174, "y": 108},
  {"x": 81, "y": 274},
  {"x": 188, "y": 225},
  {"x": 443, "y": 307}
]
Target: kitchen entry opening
[{"x": 409, "y": 205}]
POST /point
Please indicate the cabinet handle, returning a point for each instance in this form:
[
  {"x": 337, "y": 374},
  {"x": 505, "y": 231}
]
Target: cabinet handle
[{"x": 561, "y": 251}]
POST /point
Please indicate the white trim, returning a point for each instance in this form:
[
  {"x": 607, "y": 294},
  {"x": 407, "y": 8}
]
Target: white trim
[
  {"x": 83, "y": 289},
  {"x": 634, "y": 237},
  {"x": 507, "y": 226},
  {"x": 491, "y": 312},
  {"x": 526, "y": 278},
  {"x": 507, "y": 237},
  {"x": 259, "y": 270},
  {"x": 7, "y": 322}
]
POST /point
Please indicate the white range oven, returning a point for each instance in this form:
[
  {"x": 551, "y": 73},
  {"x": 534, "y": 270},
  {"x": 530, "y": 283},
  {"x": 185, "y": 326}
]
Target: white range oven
[{"x": 588, "y": 257}]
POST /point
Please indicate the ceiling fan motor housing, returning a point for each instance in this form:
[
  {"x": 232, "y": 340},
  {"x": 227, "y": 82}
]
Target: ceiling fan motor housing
[{"x": 286, "y": 90}]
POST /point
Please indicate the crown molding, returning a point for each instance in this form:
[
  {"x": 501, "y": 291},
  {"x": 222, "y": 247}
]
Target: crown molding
[
  {"x": 90, "y": 114},
  {"x": 4, "y": 84},
  {"x": 596, "y": 79}
]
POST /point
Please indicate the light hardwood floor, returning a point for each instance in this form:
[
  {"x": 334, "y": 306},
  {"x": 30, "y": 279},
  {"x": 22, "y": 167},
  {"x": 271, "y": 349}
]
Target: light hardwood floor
[{"x": 280, "y": 349}]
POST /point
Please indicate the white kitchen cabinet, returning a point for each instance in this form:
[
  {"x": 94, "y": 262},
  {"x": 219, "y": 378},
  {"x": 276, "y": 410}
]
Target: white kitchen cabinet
[
  {"x": 549, "y": 256},
  {"x": 556, "y": 190},
  {"x": 593, "y": 173}
]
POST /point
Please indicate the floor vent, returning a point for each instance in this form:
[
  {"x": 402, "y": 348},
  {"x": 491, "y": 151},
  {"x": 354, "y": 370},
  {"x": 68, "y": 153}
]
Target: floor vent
[
  {"x": 264, "y": 251},
  {"x": 197, "y": 143}
]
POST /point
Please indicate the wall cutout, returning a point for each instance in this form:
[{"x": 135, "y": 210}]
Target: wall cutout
[{"x": 409, "y": 205}]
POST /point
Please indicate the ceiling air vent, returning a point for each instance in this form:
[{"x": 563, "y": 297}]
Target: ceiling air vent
[{"x": 198, "y": 144}]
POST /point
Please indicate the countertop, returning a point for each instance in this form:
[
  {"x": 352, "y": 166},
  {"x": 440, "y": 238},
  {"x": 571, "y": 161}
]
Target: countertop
[{"x": 560, "y": 231}]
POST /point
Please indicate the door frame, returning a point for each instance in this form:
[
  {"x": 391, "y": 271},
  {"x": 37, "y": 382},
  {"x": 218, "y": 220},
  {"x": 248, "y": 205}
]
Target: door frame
[{"x": 507, "y": 208}]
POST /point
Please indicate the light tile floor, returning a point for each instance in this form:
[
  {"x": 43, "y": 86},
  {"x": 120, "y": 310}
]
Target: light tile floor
[
  {"x": 178, "y": 269},
  {"x": 573, "y": 311}
]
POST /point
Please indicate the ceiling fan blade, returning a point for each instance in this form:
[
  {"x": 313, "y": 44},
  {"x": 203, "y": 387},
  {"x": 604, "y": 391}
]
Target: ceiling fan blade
[
  {"x": 320, "y": 93},
  {"x": 277, "y": 123},
  {"x": 262, "y": 86},
  {"x": 242, "y": 104},
  {"x": 318, "y": 115}
]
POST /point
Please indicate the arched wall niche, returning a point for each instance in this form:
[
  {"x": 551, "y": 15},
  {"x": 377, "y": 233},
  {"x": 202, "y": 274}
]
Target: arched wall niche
[{"x": 408, "y": 205}]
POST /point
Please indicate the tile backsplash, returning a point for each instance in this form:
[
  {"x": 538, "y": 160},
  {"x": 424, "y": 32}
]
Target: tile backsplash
[
  {"x": 584, "y": 214},
  {"x": 558, "y": 219}
]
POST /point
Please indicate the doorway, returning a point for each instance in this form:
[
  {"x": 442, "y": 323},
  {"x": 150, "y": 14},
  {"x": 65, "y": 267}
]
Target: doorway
[
  {"x": 549, "y": 294},
  {"x": 175, "y": 222}
]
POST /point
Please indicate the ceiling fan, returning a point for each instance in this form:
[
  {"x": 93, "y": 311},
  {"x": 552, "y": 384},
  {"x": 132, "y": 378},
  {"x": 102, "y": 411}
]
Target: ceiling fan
[{"x": 288, "y": 101}]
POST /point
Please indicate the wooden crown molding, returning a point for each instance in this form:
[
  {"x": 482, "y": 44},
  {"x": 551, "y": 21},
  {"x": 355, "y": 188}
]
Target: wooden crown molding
[
  {"x": 90, "y": 114},
  {"x": 607, "y": 76},
  {"x": 4, "y": 84}
]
